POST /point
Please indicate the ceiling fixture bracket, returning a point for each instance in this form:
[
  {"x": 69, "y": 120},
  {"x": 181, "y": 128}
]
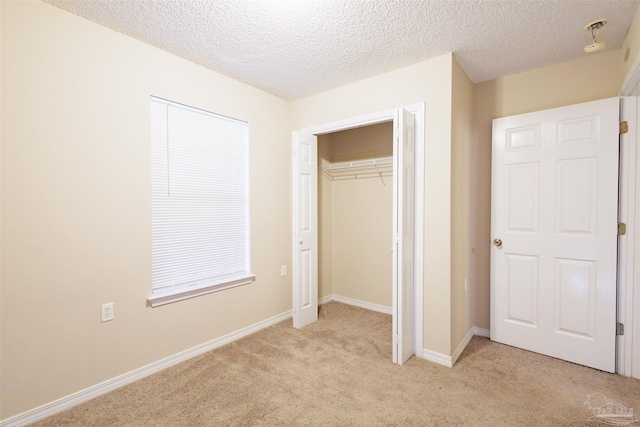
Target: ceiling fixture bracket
[{"x": 594, "y": 26}]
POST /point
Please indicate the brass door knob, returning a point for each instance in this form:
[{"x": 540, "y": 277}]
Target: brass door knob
[{"x": 497, "y": 242}]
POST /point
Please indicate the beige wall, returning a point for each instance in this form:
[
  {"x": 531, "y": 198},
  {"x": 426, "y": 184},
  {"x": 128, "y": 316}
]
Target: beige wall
[
  {"x": 361, "y": 219},
  {"x": 428, "y": 81},
  {"x": 76, "y": 223},
  {"x": 631, "y": 46},
  {"x": 462, "y": 209},
  {"x": 587, "y": 79},
  {"x": 361, "y": 240},
  {"x": 366, "y": 142}
]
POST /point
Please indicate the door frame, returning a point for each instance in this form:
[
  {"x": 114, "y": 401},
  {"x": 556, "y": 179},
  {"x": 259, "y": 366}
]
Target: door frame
[
  {"x": 628, "y": 345},
  {"x": 628, "y": 356},
  {"x": 418, "y": 111}
]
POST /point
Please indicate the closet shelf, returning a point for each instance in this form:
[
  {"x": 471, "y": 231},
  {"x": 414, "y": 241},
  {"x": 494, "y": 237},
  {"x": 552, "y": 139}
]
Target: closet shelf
[{"x": 371, "y": 168}]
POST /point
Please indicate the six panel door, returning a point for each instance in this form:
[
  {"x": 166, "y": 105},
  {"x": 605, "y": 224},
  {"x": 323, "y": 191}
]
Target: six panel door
[{"x": 554, "y": 218}]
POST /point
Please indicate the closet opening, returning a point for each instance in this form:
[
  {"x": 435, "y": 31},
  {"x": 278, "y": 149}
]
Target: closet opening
[
  {"x": 355, "y": 216},
  {"x": 350, "y": 164}
]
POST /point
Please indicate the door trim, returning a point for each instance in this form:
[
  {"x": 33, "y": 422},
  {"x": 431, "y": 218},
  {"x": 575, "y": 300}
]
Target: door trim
[
  {"x": 385, "y": 116},
  {"x": 629, "y": 285},
  {"x": 628, "y": 345}
]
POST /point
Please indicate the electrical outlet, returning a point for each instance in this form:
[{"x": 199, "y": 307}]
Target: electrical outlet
[
  {"x": 283, "y": 270},
  {"x": 107, "y": 312},
  {"x": 465, "y": 284}
]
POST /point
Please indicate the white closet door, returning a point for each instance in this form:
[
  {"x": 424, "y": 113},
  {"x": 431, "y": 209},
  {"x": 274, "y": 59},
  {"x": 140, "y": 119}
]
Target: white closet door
[
  {"x": 305, "y": 232},
  {"x": 403, "y": 226}
]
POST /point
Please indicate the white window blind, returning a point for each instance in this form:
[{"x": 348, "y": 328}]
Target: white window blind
[{"x": 200, "y": 204}]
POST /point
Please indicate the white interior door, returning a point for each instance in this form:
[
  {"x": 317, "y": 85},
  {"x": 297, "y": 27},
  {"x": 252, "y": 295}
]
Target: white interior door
[
  {"x": 403, "y": 226},
  {"x": 305, "y": 229},
  {"x": 554, "y": 224}
]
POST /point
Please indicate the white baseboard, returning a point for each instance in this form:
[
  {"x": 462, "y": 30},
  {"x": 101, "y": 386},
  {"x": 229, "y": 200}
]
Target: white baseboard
[
  {"x": 135, "y": 375},
  {"x": 438, "y": 358},
  {"x": 325, "y": 300},
  {"x": 448, "y": 361},
  {"x": 481, "y": 332},
  {"x": 461, "y": 347},
  {"x": 362, "y": 304}
]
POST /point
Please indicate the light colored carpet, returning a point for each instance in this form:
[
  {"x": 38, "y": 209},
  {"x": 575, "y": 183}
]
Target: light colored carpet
[{"x": 338, "y": 372}]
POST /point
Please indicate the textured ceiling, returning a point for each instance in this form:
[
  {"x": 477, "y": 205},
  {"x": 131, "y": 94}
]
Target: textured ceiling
[{"x": 296, "y": 48}]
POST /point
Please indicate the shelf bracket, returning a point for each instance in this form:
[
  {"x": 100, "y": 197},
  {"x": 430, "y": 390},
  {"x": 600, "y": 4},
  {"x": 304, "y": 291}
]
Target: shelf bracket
[{"x": 380, "y": 175}]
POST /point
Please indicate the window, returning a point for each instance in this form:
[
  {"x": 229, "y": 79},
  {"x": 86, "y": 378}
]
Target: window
[{"x": 199, "y": 202}]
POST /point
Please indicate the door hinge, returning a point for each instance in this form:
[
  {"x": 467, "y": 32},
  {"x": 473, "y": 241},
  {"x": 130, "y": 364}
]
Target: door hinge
[
  {"x": 622, "y": 229},
  {"x": 624, "y": 127},
  {"x": 395, "y": 340},
  {"x": 619, "y": 328}
]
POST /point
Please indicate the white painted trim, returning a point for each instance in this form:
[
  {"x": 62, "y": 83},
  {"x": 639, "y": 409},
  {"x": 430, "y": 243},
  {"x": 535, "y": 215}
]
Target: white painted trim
[
  {"x": 631, "y": 84},
  {"x": 352, "y": 123},
  {"x": 628, "y": 362},
  {"x": 87, "y": 394},
  {"x": 481, "y": 332},
  {"x": 626, "y": 207},
  {"x": 182, "y": 293},
  {"x": 463, "y": 344},
  {"x": 448, "y": 361},
  {"x": 419, "y": 111},
  {"x": 634, "y": 259},
  {"x": 325, "y": 300},
  {"x": 363, "y": 304},
  {"x": 438, "y": 358},
  {"x": 295, "y": 136},
  {"x": 385, "y": 116}
]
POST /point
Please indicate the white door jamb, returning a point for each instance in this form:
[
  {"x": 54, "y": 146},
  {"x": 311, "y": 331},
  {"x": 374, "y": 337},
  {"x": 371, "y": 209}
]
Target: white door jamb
[
  {"x": 628, "y": 345},
  {"x": 629, "y": 285}
]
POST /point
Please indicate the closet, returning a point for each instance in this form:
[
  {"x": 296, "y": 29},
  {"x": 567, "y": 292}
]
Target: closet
[{"x": 355, "y": 221}]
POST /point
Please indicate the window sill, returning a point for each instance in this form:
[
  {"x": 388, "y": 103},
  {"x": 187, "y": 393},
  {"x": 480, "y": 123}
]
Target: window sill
[{"x": 167, "y": 297}]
